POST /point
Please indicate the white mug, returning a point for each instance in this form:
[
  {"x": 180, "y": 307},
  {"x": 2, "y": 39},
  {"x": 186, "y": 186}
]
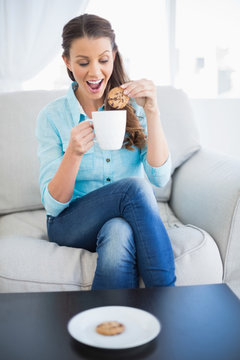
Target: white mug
[{"x": 110, "y": 127}]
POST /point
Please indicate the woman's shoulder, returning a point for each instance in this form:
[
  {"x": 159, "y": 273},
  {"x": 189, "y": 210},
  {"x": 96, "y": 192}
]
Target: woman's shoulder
[
  {"x": 56, "y": 105},
  {"x": 51, "y": 114},
  {"x": 53, "y": 109}
]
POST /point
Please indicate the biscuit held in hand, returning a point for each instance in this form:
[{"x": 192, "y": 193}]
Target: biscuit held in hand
[
  {"x": 110, "y": 328},
  {"x": 117, "y": 99}
]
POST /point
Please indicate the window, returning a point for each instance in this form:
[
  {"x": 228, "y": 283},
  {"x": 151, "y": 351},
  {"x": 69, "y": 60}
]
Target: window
[
  {"x": 141, "y": 36},
  {"x": 207, "y": 47},
  {"x": 199, "y": 54}
]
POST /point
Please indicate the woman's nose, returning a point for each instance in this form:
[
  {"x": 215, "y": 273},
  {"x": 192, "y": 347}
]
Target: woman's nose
[{"x": 94, "y": 69}]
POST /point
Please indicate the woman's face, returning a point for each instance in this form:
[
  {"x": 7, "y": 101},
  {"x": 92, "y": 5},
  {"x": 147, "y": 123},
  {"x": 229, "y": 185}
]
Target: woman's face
[{"x": 91, "y": 62}]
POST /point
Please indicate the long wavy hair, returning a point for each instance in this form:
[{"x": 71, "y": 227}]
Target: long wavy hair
[{"x": 93, "y": 26}]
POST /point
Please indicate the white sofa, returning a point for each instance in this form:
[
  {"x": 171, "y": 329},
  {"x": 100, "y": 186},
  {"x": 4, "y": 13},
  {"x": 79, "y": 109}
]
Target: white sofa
[{"x": 199, "y": 206}]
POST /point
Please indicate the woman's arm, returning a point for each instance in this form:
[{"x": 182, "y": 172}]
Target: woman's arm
[
  {"x": 144, "y": 93},
  {"x": 62, "y": 184},
  {"x": 157, "y": 146}
]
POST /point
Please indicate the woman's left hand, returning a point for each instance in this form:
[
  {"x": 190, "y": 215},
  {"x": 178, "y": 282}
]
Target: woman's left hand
[{"x": 144, "y": 93}]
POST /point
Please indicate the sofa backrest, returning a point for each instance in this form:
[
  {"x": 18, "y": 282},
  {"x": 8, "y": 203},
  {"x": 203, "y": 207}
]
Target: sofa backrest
[
  {"x": 178, "y": 123},
  {"x": 180, "y": 130},
  {"x": 19, "y": 187}
]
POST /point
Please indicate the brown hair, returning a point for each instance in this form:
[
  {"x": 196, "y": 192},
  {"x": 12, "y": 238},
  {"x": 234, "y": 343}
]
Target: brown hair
[{"x": 93, "y": 26}]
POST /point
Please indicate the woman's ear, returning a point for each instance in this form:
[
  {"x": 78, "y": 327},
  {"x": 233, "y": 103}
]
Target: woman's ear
[{"x": 66, "y": 60}]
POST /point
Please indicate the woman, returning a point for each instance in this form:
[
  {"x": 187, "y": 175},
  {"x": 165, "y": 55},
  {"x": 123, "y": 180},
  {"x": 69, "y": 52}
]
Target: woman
[{"x": 97, "y": 199}]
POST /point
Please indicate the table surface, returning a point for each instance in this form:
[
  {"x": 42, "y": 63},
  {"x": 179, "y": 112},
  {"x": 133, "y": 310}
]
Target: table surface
[{"x": 198, "y": 323}]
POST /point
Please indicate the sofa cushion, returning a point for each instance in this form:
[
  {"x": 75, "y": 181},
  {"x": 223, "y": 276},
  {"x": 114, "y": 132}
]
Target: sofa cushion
[
  {"x": 19, "y": 188},
  {"x": 25, "y": 223},
  {"x": 178, "y": 123},
  {"x": 197, "y": 258},
  {"x": 29, "y": 264},
  {"x": 34, "y": 264},
  {"x": 180, "y": 130}
]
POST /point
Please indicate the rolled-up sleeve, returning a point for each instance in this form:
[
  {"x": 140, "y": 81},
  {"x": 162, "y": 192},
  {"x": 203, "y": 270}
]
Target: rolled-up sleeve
[
  {"x": 160, "y": 175},
  {"x": 50, "y": 154}
]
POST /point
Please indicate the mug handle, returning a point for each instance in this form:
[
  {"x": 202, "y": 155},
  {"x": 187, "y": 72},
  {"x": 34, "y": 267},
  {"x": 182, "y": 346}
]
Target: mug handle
[{"x": 90, "y": 120}]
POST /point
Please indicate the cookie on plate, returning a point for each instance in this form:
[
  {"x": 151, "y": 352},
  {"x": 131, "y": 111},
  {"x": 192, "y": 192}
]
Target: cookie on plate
[
  {"x": 117, "y": 99},
  {"x": 110, "y": 328}
]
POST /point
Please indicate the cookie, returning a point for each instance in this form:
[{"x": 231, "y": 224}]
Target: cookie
[
  {"x": 117, "y": 99},
  {"x": 110, "y": 328}
]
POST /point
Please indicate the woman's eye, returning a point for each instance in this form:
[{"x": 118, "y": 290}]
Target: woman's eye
[
  {"x": 83, "y": 64},
  {"x": 103, "y": 61}
]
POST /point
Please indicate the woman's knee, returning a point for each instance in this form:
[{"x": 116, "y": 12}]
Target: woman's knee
[
  {"x": 116, "y": 250},
  {"x": 116, "y": 234},
  {"x": 140, "y": 190},
  {"x": 137, "y": 185}
]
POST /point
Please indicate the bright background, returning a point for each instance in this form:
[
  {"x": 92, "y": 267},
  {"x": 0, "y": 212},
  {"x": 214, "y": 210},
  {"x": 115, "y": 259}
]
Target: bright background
[{"x": 189, "y": 44}]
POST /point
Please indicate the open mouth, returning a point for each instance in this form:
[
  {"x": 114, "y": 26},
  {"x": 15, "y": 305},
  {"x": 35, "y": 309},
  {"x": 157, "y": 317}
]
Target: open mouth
[{"x": 94, "y": 85}]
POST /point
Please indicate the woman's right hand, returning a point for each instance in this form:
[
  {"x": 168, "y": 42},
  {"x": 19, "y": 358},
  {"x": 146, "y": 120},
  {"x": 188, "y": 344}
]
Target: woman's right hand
[{"x": 81, "y": 139}]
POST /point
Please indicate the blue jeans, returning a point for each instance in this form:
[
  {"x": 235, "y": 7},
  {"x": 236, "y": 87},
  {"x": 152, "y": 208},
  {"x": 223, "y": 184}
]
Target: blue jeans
[{"x": 121, "y": 222}]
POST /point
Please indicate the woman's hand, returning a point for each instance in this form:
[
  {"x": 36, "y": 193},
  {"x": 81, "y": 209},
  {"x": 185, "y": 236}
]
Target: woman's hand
[
  {"x": 144, "y": 92},
  {"x": 81, "y": 139}
]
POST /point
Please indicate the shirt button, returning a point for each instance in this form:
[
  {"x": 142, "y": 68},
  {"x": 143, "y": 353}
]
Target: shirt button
[
  {"x": 108, "y": 179},
  {"x": 107, "y": 160}
]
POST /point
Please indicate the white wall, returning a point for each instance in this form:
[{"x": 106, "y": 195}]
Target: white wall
[{"x": 218, "y": 121}]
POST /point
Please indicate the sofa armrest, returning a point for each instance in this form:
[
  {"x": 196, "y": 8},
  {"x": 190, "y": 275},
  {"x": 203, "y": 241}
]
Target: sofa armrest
[{"x": 205, "y": 193}]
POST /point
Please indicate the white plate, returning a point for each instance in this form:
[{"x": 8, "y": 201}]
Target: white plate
[{"x": 140, "y": 327}]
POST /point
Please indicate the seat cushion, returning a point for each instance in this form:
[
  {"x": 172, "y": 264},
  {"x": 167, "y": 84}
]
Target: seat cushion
[
  {"x": 26, "y": 223},
  {"x": 29, "y": 262},
  {"x": 197, "y": 258}
]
